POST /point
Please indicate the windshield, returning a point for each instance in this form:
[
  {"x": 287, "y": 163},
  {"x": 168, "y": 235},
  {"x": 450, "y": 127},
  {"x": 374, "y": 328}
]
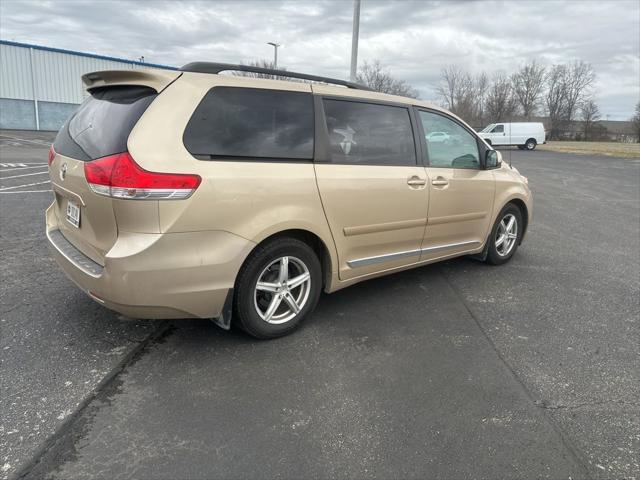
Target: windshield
[{"x": 487, "y": 128}]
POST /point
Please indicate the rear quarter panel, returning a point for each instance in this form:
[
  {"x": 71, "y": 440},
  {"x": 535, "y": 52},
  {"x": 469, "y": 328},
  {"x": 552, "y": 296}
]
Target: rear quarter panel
[{"x": 251, "y": 199}]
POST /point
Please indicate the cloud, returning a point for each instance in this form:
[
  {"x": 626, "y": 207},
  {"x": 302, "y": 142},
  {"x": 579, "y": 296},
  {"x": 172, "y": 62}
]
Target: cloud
[{"x": 415, "y": 39}]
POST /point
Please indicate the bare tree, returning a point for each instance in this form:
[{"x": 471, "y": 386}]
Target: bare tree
[
  {"x": 449, "y": 88},
  {"x": 635, "y": 120},
  {"x": 556, "y": 98},
  {"x": 481, "y": 88},
  {"x": 528, "y": 84},
  {"x": 579, "y": 79},
  {"x": 568, "y": 86},
  {"x": 375, "y": 76},
  {"x": 590, "y": 115},
  {"x": 562, "y": 89},
  {"x": 466, "y": 106},
  {"x": 501, "y": 104},
  {"x": 459, "y": 93}
]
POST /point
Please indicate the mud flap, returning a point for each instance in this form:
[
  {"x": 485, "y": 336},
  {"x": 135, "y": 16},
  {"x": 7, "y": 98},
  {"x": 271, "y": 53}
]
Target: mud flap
[
  {"x": 482, "y": 256},
  {"x": 224, "y": 320}
]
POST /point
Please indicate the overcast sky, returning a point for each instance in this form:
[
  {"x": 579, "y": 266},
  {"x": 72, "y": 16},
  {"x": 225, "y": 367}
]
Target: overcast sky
[{"x": 414, "y": 39}]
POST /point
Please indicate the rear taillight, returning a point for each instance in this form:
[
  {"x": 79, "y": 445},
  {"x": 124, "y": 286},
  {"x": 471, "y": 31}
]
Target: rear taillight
[
  {"x": 119, "y": 176},
  {"x": 52, "y": 155}
]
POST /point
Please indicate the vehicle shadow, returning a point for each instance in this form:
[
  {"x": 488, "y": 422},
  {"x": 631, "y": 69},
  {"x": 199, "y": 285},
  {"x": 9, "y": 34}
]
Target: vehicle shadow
[{"x": 368, "y": 308}]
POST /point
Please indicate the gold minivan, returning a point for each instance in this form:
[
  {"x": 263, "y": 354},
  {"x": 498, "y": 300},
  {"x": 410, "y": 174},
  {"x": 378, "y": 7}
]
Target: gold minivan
[{"x": 193, "y": 194}]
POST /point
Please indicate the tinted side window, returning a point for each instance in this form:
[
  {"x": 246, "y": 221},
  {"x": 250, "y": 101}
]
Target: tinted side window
[
  {"x": 102, "y": 124},
  {"x": 457, "y": 148},
  {"x": 369, "y": 134},
  {"x": 498, "y": 129},
  {"x": 251, "y": 122}
]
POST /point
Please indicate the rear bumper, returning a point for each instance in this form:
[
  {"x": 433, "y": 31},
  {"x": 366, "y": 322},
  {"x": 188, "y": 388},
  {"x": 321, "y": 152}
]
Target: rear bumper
[{"x": 171, "y": 275}]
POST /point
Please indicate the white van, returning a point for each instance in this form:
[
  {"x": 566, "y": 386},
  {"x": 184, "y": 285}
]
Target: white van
[{"x": 526, "y": 135}]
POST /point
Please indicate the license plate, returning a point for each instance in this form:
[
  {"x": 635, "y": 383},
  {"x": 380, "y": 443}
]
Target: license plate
[{"x": 73, "y": 214}]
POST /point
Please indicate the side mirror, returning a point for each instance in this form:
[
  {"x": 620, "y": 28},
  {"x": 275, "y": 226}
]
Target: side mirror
[{"x": 492, "y": 159}]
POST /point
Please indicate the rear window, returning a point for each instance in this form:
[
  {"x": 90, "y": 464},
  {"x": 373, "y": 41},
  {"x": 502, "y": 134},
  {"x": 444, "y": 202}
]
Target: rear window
[
  {"x": 102, "y": 124},
  {"x": 251, "y": 123}
]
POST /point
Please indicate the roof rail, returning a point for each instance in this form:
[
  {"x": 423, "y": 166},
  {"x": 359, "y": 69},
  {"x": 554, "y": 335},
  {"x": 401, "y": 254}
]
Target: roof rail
[{"x": 210, "y": 67}]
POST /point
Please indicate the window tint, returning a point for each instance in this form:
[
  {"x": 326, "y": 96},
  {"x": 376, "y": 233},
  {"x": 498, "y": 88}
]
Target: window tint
[
  {"x": 368, "y": 134},
  {"x": 102, "y": 124},
  {"x": 251, "y": 122},
  {"x": 498, "y": 129},
  {"x": 457, "y": 148}
]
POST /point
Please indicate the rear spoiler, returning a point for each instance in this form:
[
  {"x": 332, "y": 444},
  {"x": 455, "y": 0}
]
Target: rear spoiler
[{"x": 153, "y": 78}]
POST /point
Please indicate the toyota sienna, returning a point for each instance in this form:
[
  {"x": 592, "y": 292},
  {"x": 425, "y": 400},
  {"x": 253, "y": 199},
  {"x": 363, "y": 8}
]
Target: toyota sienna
[{"x": 193, "y": 194}]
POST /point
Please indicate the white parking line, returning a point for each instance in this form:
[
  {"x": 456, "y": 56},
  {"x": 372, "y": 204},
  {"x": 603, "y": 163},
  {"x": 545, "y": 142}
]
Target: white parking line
[
  {"x": 21, "y": 164},
  {"x": 27, "y": 185},
  {"x": 13, "y": 164},
  {"x": 26, "y": 191},
  {"x": 22, "y": 168},
  {"x": 25, "y": 175},
  {"x": 25, "y": 140}
]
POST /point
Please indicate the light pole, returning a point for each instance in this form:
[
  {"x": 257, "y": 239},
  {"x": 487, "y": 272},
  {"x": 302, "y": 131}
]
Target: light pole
[
  {"x": 354, "y": 40},
  {"x": 275, "y": 53}
]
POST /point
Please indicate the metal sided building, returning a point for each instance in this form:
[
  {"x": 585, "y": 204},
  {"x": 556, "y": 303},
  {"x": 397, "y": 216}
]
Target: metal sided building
[{"x": 41, "y": 86}]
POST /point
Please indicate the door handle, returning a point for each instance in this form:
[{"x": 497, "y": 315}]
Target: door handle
[
  {"x": 416, "y": 181},
  {"x": 440, "y": 182}
]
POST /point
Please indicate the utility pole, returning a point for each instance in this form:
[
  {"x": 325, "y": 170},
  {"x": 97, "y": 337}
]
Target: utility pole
[
  {"x": 275, "y": 53},
  {"x": 354, "y": 40}
]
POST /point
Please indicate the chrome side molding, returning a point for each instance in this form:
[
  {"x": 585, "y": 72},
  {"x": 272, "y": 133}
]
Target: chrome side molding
[
  {"x": 363, "y": 262},
  {"x": 438, "y": 248}
]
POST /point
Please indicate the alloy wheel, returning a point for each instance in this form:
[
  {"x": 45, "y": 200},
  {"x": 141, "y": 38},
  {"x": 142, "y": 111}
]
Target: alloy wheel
[
  {"x": 506, "y": 235},
  {"x": 282, "y": 290}
]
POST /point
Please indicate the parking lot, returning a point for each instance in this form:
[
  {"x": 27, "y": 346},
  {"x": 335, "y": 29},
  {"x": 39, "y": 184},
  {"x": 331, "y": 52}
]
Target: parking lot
[{"x": 455, "y": 370}]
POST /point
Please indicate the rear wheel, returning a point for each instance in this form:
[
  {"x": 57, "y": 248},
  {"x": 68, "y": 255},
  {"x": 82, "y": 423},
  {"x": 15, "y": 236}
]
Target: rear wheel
[
  {"x": 505, "y": 235},
  {"x": 531, "y": 144},
  {"x": 277, "y": 287}
]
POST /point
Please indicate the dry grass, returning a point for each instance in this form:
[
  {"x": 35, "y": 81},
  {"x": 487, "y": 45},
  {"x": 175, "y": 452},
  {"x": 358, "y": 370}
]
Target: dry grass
[{"x": 628, "y": 150}]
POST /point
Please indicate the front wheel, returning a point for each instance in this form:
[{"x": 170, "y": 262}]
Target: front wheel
[
  {"x": 277, "y": 287},
  {"x": 505, "y": 235}
]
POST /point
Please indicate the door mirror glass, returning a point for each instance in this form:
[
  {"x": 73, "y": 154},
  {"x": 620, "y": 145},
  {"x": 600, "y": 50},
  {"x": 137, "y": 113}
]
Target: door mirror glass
[{"x": 492, "y": 159}]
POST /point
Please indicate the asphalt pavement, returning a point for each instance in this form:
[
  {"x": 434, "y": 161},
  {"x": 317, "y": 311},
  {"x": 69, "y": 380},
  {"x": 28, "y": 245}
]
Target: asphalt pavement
[
  {"x": 55, "y": 346},
  {"x": 455, "y": 370}
]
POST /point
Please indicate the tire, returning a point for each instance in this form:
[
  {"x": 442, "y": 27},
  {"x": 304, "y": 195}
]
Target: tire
[
  {"x": 252, "y": 304},
  {"x": 499, "y": 253},
  {"x": 531, "y": 144},
  {"x": 488, "y": 141}
]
